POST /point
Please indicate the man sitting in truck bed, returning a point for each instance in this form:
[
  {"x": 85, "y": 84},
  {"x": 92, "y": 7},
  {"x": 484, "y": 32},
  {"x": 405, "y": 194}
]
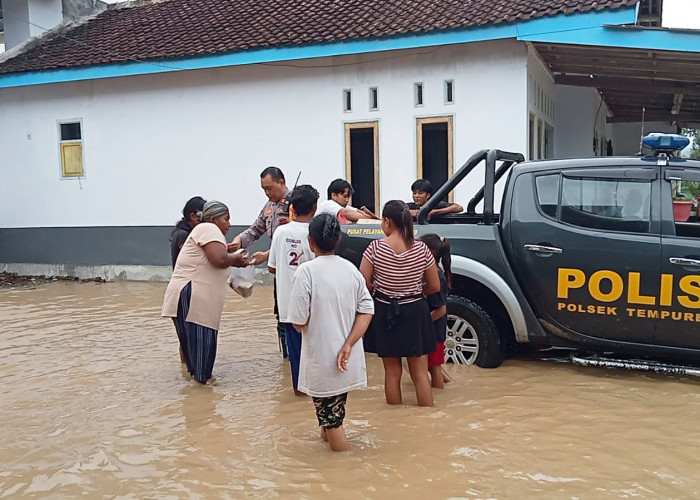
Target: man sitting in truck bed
[
  {"x": 422, "y": 190},
  {"x": 338, "y": 204}
]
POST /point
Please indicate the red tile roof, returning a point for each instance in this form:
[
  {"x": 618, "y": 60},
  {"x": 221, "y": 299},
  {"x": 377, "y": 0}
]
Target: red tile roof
[{"x": 170, "y": 29}]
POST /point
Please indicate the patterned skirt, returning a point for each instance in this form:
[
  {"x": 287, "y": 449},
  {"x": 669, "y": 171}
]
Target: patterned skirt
[{"x": 198, "y": 342}]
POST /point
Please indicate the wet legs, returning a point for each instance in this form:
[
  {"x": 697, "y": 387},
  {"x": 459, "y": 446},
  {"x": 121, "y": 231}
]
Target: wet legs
[
  {"x": 392, "y": 380},
  {"x": 436, "y": 377},
  {"x": 336, "y": 438},
  {"x": 418, "y": 368}
]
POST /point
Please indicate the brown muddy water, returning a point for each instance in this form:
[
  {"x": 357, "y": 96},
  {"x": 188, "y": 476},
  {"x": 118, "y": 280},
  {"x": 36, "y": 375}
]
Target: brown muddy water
[{"x": 95, "y": 404}]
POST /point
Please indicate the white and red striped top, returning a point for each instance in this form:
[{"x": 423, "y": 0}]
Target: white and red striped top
[{"x": 398, "y": 275}]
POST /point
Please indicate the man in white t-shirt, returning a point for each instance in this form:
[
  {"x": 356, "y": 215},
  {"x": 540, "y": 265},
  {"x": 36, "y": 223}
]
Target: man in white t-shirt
[
  {"x": 289, "y": 249},
  {"x": 338, "y": 203}
]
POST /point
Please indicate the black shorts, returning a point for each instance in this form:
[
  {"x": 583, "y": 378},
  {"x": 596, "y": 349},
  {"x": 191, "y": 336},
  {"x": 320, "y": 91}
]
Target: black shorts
[{"x": 330, "y": 411}]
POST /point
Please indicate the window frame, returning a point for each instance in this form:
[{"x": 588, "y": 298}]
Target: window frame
[
  {"x": 451, "y": 93},
  {"x": 374, "y": 99},
  {"x": 347, "y": 100},
  {"x": 65, "y": 144},
  {"x": 418, "y": 94},
  {"x": 637, "y": 175}
]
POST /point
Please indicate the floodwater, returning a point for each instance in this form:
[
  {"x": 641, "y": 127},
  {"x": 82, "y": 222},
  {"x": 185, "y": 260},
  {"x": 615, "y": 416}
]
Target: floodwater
[{"x": 94, "y": 403}]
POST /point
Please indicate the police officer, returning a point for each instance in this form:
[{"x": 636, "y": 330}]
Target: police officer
[{"x": 273, "y": 214}]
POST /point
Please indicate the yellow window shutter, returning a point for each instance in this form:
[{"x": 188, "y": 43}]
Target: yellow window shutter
[{"x": 72, "y": 159}]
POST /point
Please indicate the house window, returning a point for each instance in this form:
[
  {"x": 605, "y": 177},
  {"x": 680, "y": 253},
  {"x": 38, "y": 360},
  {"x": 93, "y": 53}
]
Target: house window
[
  {"x": 71, "y": 148},
  {"x": 531, "y": 137},
  {"x": 418, "y": 94},
  {"x": 373, "y": 98},
  {"x": 347, "y": 100},
  {"x": 548, "y": 140},
  {"x": 449, "y": 92}
]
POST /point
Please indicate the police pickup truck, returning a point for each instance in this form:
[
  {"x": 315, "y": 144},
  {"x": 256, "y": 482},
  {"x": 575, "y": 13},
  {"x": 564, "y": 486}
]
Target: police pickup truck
[{"x": 584, "y": 253}]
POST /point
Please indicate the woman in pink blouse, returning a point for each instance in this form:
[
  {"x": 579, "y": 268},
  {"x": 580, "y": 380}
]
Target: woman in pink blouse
[{"x": 195, "y": 295}]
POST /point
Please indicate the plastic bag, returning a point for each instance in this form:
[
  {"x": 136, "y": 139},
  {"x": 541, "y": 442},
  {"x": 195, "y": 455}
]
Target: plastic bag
[{"x": 242, "y": 279}]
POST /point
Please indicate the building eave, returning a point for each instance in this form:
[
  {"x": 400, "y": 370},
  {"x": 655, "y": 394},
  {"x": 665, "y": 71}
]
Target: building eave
[
  {"x": 630, "y": 37},
  {"x": 561, "y": 26}
]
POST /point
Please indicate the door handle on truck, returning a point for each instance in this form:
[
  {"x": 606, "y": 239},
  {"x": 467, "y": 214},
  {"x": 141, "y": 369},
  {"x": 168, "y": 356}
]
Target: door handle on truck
[
  {"x": 681, "y": 261},
  {"x": 542, "y": 249}
]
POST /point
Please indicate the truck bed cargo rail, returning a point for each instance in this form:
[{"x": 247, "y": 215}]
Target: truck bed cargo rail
[{"x": 491, "y": 156}]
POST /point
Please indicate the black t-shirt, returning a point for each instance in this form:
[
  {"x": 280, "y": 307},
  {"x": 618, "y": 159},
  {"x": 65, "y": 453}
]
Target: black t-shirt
[
  {"x": 441, "y": 204},
  {"x": 177, "y": 238},
  {"x": 436, "y": 300}
]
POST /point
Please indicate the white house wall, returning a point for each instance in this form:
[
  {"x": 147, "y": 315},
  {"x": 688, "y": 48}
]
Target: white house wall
[
  {"x": 540, "y": 103},
  {"x": 586, "y": 119},
  {"x": 583, "y": 111},
  {"x": 627, "y": 136},
  {"x": 151, "y": 142},
  {"x": 29, "y": 18}
]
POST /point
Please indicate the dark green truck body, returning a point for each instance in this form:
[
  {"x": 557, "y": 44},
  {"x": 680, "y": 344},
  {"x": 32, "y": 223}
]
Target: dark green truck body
[{"x": 583, "y": 253}]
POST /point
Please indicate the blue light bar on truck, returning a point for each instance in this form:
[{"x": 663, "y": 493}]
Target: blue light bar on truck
[{"x": 665, "y": 143}]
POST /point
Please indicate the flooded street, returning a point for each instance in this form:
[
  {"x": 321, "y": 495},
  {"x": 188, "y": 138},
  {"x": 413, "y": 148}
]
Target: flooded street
[{"x": 94, "y": 403}]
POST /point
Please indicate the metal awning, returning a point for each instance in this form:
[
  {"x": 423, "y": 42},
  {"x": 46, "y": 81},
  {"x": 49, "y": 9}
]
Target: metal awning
[{"x": 663, "y": 83}]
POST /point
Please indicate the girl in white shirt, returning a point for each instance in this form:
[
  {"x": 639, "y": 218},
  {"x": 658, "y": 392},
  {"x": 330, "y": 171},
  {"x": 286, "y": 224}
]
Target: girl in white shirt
[{"x": 331, "y": 306}]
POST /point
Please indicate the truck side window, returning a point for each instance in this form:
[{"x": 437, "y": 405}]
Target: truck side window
[
  {"x": 685, "y": 194},
  {"x": 608, "y": 204},
  {"x": 548, "y": 193}
]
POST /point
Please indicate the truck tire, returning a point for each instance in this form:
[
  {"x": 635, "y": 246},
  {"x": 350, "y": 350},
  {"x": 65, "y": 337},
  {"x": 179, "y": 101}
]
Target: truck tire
[{"x": 472, "y": 336}]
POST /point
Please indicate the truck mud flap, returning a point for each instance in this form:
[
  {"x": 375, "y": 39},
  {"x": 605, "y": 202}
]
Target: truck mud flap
[{"x": 636, "y": 364}]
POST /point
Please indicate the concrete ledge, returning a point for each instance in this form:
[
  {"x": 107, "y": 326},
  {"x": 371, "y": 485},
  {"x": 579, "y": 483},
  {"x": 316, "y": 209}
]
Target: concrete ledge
[
  {"x": 110, "y": 272},
  {"x": 107, "y": 273}
]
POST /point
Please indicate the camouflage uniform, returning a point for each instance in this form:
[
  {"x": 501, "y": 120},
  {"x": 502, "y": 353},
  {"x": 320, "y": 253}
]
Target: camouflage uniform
[{"x": 272, "y": 215}]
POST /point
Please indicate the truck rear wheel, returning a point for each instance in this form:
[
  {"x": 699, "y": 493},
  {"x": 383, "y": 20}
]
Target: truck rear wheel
[{"x": 472, "y": 336}]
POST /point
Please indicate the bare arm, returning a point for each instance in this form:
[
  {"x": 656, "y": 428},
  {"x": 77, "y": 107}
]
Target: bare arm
[
  {"x": 452, "y": 208},
  {"x": 367, "y": 270},
  {"x": 369, "y": 213},
  {"x": 272, "y": 270},
  {"x": 259, "y": 257},
  {"x": 359, "y": 327},
  {"x": 234, "y": 245},
  {"x": 438, "y": 313},
  {"x": 432, "y": 280},
  {"x": 218, "y": 256},
  {"x": 351, "y": 215}
]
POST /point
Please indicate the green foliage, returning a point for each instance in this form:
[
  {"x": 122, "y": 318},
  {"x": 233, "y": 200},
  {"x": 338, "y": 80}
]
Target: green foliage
[
  {"x": 692, "y": 188},
  {"x": 694, "y": 135}
]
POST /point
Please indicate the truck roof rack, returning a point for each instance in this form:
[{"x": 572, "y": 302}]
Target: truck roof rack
[{"x": 486, "y": 192}]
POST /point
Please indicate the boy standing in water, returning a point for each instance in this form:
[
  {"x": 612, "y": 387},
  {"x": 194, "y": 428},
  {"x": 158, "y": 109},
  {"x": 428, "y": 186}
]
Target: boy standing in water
[
  {"x": 332, "y": 307},
  {"x": 290, "y": 249}
]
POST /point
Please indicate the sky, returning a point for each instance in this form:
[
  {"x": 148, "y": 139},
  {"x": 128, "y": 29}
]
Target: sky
[{"x": 681, "y": 14}]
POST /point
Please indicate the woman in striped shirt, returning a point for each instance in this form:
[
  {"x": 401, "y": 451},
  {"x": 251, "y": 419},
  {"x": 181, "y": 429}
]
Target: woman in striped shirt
[{"x": 399, "y": 272}]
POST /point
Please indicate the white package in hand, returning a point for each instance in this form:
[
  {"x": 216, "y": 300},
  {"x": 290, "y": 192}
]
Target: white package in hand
[{"x": 242, "y": 279}]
